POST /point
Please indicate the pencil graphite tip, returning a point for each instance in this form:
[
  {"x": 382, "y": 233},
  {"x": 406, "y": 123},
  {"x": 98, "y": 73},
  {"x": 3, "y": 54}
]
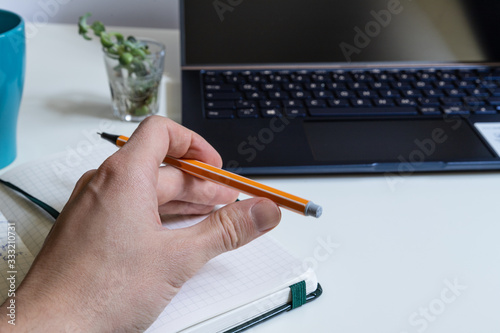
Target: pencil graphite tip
[
  {"x": 313, "y": 210},
  {"x": 99, "y": 133}
]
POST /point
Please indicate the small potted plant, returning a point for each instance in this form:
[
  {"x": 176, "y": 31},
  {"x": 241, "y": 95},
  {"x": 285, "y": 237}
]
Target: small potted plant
[{"x": 134, "y": 67}]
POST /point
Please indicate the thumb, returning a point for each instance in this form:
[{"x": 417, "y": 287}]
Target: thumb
[
  {"x": 224, "y": 230},
  {"x": 236, "y": 225}
]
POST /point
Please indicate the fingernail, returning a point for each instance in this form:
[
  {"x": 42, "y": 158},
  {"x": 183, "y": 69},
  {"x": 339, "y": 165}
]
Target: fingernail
[{"x": 266, "y": 215}]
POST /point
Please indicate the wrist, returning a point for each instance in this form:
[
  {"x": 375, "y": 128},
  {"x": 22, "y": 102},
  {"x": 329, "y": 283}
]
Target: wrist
[{"x": 31, "y": 310}]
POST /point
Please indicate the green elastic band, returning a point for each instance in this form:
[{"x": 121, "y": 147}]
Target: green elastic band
[
  {"x": 298, "y": 294},
  {"x": 54, "y": 213}
]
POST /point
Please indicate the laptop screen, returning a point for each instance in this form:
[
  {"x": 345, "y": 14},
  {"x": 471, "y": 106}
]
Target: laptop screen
[{"x": 253, "y": 32}]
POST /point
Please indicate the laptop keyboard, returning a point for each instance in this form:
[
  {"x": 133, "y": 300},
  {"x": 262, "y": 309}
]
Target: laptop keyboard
[{"x": 345, "y": 93}]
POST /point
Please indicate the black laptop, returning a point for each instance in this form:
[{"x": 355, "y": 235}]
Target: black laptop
[{"x": 343, "y": 86}]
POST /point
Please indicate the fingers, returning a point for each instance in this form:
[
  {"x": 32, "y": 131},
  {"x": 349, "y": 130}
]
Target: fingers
[
  {"x": 174, "y": 184},
  {"x": 235, "y": 225},
  {"x": 184, "y": 208},
  {"x": 158, "y": 136}
]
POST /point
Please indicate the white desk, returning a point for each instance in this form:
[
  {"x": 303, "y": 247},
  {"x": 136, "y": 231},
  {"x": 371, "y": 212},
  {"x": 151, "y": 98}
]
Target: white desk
[{"x": 395, "y": 245}]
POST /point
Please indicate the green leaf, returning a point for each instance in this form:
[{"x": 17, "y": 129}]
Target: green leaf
[
  {"x": 106, "y": 40},
  {"x": 83, "y": 27},
  {"x": 126, "y": 58},
  {"x": 98, "y": 28}
]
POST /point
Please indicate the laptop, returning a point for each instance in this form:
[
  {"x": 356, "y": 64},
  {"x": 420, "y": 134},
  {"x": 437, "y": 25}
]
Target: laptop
[{"x": 344, "y": 86}]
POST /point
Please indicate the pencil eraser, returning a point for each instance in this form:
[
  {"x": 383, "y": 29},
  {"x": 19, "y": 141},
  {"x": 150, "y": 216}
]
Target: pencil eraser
[{"x": 313, "y": 210}]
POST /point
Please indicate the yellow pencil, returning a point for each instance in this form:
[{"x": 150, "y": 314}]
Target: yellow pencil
[{"x": 232, "y": 180}]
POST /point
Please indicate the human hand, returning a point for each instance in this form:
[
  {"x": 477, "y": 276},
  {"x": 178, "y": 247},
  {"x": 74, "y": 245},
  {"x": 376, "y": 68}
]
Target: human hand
[{"x": 108, "y": 264}]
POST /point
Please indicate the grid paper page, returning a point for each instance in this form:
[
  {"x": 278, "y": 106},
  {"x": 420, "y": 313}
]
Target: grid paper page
[
  {"x": 51, "y": 180},
  {"x": 15, "y": 259},
  {"x": 230, "y": 280}
]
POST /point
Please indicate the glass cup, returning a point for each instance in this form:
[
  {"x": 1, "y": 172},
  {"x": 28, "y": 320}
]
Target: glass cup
[
  {"x": 134, "y": 91},
  {"x": 12, "y": 67}
]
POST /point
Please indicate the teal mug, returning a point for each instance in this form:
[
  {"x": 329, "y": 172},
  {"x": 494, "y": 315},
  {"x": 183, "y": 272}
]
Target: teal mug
[{"x": 12, "y": 67}]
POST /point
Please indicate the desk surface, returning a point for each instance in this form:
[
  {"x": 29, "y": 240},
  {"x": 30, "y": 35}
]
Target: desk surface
[{"x": 404, "y": 254}]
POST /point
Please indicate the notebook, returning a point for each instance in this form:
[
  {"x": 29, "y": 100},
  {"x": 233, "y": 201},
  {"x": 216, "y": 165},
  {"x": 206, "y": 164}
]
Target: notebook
[
  {"x": 321, "y": 86},
  {"x": 231, "y": 293}
]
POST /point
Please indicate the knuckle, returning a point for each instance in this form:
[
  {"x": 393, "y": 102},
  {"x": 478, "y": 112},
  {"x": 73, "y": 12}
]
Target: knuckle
[
  {"x": 207, "y": 193},
  {"x": 111, "y": 170},
  {"x": 85, "y": 178},
  {"x": 110, "y": 167},
  {"x": 151, "y": 119},
  {"x": 230, "y": 233}
]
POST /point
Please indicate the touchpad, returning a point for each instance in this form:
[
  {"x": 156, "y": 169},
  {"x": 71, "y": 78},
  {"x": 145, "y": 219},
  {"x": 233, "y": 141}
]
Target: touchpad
[{"x": 394, "y": 141}]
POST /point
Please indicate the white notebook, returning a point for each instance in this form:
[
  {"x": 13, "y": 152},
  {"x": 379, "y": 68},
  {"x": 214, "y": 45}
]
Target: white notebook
[{"x": 230, "y": 292}]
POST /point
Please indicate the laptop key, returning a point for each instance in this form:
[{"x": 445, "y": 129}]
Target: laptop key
[
  {"x": 366, "y": 94},
  {"x": 281, "y": 95},
  {"x": 389, "y": 93},
  {"x": 379, "y": 85},
  {"x": 401, "y": 85},
  {"x": 428, "y": 75},
  {"x": 219, "y": 105},
  {"x": 357, "y": 86},
  {"x": 429, "y": 110},
  {"x": 270, "y": 104},
  {"x": 270, "y": 86},
  {"x": 466, "y": 84},
  {"x": 248, "y": 113},
  {"x": 323, "y": 94},
  {"x": 300, "y": 94},
  {"x": 325, "y": 112},
  {"x": 451, "y": 101},
  {"x": 494, "y": 100},
  {"x": 245, "y": 104},
  {"x": 249, "y": 87},
  {"x": 223, "y": 95},
  {"x": 220, "y": 114},
  {"x": 270, "y": 112},
  {"x": 294, "y": 104},
  {"x": 293, "y": 86},
  {"x": 211, "y": 79},
  {"x": 406, "y": 102},
  {"x": 361, "y": 102},
  {"x": 422, "y": 85},
  {"x": 234, "y": 79},
  {"x": 336, "y": 86},
  {"x": 447, "y": 76},
  {"x": 467, "y": 75},
  {"x": 278, "y": 78},
  {"x": 428, "y": 101},
  {"x": 219, "y": 87},
  {"x": 455, "y": 93},
  {"x": 444, "y": 85},
  {"x": 383, "y": 102},
  {"x": 299, "y": 78},
  {"x": 362, "y": 77},
  {"x": 411, "y": 93},
  {"x": 255, "y": 95},
  {"x": 345, "y": 94},
  {"x": 455, "y": 110},
  {"x": 314, "y": 86},
  {"x": 474, "y": 101},
  {"x": 316, "y": 103},
  {"x": 478, "y": 92},
  {"x": 433, "y": 93},
  {"x": 256, "y": 79},
  {"x": 338, "y": 103},
  {"x": 485, "y": 110},
  {"x": 295, "y": 112},
  {"x": 487, "y": 85}
]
